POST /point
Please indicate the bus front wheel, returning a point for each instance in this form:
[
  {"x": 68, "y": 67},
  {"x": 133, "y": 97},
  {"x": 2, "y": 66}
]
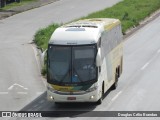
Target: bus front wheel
[{"x": 102, "y": 94}]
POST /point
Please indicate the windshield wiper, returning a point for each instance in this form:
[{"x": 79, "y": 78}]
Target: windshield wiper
[
  {"x": 78, "y": 75},
  {"x": 65, "y": 76}
]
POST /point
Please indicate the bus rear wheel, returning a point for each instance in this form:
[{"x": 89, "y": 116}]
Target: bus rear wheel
[{"x": 114, "y": 86}]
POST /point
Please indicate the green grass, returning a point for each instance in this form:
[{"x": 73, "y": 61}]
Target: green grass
[
  {"x": 42, "y": 36},
  {"x": 15, "y": 4},
  {"x": 130, "y": 13}
]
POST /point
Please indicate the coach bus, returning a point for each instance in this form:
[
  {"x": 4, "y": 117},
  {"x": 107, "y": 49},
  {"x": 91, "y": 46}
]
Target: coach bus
[{"x": 84, "y": 60}]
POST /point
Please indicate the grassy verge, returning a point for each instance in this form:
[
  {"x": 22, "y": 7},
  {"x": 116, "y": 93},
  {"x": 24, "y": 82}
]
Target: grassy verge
[
  {"x": 42, "y": 36},
  {"x": 130, "y": 12},
  {"x": 15, "y": 4}
]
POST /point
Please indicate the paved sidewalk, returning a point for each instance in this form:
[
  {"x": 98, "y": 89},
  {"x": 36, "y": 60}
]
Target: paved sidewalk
[{"x": 18, "y": 9}]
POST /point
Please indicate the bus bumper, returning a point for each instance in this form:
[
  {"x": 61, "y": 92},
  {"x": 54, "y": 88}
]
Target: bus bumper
[{"x": 87, "y": 97}]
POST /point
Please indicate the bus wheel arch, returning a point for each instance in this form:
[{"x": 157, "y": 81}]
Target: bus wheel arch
[
  {"x": 117, "y": 75},
  {"x": 118, "y": 71},
  {"x": 121, "y": 66},
  {"x": 102, "y": 94}
]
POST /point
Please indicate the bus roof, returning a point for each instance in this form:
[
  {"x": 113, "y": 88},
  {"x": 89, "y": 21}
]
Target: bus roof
[{"x": 81, "y": 32}]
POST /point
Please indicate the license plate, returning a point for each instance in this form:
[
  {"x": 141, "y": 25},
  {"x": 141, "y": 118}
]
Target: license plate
[{"x": 71, "y": 98}]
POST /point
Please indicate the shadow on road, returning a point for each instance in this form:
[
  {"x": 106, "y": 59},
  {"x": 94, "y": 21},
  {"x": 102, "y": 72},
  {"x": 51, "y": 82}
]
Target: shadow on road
[{"x": 52, "y": 109}]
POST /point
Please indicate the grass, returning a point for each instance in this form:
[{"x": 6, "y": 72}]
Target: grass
[
  {"x": 130, "y": 13},
  {"x": 15, "y": 4},
  {"x": 42, "y": 36}
]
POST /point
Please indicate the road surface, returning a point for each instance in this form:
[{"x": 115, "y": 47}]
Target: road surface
[{"x": 20, "y": 78}]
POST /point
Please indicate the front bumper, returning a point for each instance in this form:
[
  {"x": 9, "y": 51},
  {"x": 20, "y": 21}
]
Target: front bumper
[{"x": 86, "y": 97}]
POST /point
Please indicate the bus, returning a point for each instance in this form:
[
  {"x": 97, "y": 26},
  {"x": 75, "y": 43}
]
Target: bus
[{"x": 84, "y": 60}]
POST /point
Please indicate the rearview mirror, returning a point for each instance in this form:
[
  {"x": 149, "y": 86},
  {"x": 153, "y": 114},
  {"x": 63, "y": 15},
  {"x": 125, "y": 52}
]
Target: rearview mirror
[
  {"x": 98, "y": 58},
  {"x": 43, "y": 56}
]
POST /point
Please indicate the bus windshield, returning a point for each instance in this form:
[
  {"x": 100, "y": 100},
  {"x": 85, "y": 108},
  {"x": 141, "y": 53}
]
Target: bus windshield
[{"x": 71, "y": 64}]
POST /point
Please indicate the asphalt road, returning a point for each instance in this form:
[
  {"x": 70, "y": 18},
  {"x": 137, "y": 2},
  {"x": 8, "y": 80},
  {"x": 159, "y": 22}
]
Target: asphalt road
[
  {"x": 138, "y": 88},
  {"x": 20, "y": 79}
]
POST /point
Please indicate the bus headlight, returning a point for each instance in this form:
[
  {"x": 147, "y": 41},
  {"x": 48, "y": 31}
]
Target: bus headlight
[
  {"x": 92, "y": 97},
  {"x": 92, "y": 89}
]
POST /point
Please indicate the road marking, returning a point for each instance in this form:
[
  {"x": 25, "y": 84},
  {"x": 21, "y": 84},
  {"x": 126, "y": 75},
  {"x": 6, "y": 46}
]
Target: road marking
[
  {"x": 10, "y": 87},
  {"x": 145, "y": 66},
  {"x": 150, "y": 61},
  {"x": 115, "y": 97},
  {"x": 22, "y": 93},
  {"x": 15, "y": 84},
  {"x": 3, "y": 93}
]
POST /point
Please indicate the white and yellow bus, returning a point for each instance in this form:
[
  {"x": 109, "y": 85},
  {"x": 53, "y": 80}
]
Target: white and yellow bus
[{"x": 84, "y": 60}]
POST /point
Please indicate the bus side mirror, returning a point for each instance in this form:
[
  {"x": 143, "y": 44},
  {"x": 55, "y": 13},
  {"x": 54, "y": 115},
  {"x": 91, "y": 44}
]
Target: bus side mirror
[
  {"x": 98, "y": 58},
  {"x": 43, "y": 54}
]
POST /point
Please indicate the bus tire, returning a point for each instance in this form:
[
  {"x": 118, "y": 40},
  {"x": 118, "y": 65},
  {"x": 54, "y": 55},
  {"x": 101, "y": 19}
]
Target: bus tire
[
  {"x": 114, "y": 86},
  {"x": 101, "y": 99}
]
